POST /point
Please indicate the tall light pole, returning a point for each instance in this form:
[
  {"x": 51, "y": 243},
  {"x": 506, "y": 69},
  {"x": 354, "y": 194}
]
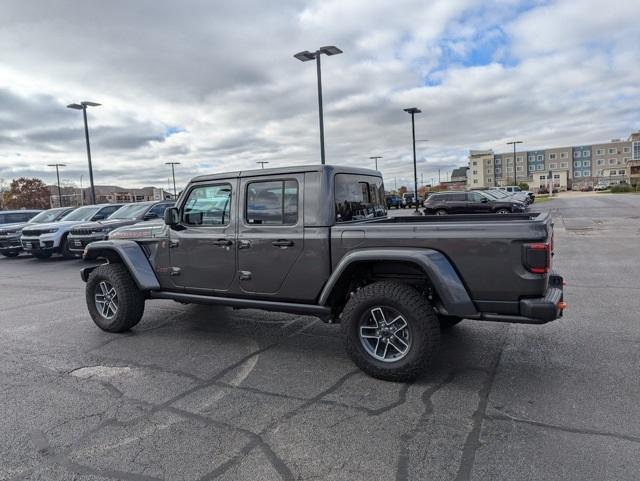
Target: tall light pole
[
  {"x": 83, "y": 106},
  {"x": 173, "y": 172},
  {"x": 376, "y": 157},
  {"x": 413, "y": 111},
  {"x": 57, "y": 166},
  {"x": 515, "y": 167},
  {"x": 262, "y": 162},
  {"x": 305, "y": 56}
]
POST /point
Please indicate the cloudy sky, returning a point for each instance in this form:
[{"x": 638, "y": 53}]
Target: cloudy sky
[{"x": 214, "y": 84}]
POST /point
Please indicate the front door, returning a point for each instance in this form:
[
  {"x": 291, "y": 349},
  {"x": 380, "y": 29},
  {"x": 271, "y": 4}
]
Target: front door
[
  {"x": 270, "y": 232},
  {"x": 203, "y": 245},
  {"x": 478, "y": 203}
]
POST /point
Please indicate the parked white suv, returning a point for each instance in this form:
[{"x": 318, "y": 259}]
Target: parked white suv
[{"x": 43, "y": 240}]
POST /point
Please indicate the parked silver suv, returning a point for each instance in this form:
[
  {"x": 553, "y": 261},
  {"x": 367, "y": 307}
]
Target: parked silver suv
[{"x": 10, "y": 245}]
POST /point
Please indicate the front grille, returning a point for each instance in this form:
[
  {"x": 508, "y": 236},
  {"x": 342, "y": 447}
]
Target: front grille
[
  {"x": 34, "y": 232},
  {"x": 82, "y": 232}
]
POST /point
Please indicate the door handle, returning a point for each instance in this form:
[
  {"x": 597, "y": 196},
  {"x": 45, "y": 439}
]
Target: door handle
[
  {"x": 282, "y": 243},
  {"x": 222, "y": 242},
  {"x": 244, "y": 244}
]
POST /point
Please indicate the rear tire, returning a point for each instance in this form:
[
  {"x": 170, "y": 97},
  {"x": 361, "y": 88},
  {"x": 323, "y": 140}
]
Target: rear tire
[
  {"x": 113, "y": 298},
  {"x": 503, "y": 211},
  {"x": 441, "y": 212},
  {"x": 367, "y": 334}
]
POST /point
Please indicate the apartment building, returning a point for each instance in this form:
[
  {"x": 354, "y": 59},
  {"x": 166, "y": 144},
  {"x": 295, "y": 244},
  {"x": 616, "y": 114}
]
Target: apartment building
[{"x": 570, "y": 167}]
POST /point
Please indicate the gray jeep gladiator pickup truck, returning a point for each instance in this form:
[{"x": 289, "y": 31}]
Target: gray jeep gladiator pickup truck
[{"x": 316, "y": 240}]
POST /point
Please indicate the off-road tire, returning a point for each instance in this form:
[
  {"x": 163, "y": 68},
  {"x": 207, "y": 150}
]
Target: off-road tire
[
  {"x": 503, "y": 211},
  {"x": 447, "y": 322},
  {"x": 130, "y": 299},
  {"x": 64, "y": 250},
  {"x": 10, "y": 253},
  {"x": 41, "y": 255},
  {"x": 420, "y": 317}
]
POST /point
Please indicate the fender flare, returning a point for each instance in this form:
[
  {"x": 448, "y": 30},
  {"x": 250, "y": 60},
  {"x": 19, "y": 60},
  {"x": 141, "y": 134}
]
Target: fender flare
[
  {"x": 445, "y": 280},
  {"x": 132, "y": 256}
]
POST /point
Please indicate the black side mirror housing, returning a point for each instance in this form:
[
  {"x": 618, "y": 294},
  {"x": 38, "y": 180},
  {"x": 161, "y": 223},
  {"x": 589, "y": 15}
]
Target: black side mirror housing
[
  {"x": 99, "y": 217},
  {"x": 172, "y": 216},
  {"x": 484, "y": 200},
  {"x": 149, "y": 216}
]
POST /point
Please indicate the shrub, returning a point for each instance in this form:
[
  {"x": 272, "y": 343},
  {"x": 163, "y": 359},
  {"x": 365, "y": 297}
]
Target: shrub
[
  {"x": 523, "y": 186},
  {"x": 621, "y": 188}
]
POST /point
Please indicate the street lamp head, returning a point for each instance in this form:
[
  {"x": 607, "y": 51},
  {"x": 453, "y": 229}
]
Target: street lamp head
[
  {"x": 172, "y": 163},
  {"x": 90, "y": 104},
  {"x": 330, "y": 50},
  {"x": 515, "y": 142},
  {"x": 305, "y": 56},
  {"x": 413, "y": 110},
  {"x": 75, "y": 106},
  {"x": 56, "y": 165}
]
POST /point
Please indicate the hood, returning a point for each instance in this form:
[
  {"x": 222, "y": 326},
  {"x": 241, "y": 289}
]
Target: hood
[
  {"x": 11, "y": 228},
  {"x": 142, "y": 230},
  {"x": 109, "y": 224},
  {"x": 53, "y": 225}
]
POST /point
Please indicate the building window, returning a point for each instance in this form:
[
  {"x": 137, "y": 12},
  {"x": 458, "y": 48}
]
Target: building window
[
  {"x": 543, "y": 177},
  {"x": 540, "y": 157},
  {"x": 532, "y": 168},
  {"x": 599, "y": 161},
  {"x": 621, "y": 172},
  {"x": 599, "y": 151},
  {"x": 553, "y": 166},
  {"x": 612, "y": 150},
  {"x": 586, "y": 163},
  {"x": 577, "y": 163},
  {"x": 489, "y": 171},
  {"x": 612, "y": 161},
  {"x": 489, "y": 179},
  {"x": 626, "y": 160},
  {"x": 578, "y": 174},
  {"x": 540, "y": 166},
  {"x": 552, "y": 156},
  {"x": 498, "y": 161},
  {"x": 489, "y": 162},
  {"x": 636, "y": 150},
  {"x": 556, "y": 176},
  {"x": 475, "y": 181},
  {"x": 577, "y": 154},
  {"x": 586, "y": 153},
  {"x": 498, "y": 170},
  {"x": 475, "y": 172},
  {"x": 626, "y": 150},
  {"x": 563, "y": 165},
  {"x": 519, "y": 168},
  {"x": 474, "y": 163},
  {"x": 563, "y": 155},
  {"x": 532, "y": 158}
]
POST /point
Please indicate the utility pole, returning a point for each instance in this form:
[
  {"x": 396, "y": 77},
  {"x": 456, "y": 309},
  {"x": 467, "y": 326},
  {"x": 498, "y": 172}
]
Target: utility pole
[
  {"x": 262, "y": 162},
  {"x": 173, "y": 172},
  {"x": 83, "y": 106},
  {"x": 515, "y": 167},
  {"x": 57, "y": 166},
  {"x": 413, "y": 111}
]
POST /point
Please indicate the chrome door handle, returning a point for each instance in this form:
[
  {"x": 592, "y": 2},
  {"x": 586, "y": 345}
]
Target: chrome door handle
[
  {"x": 244, "y": 244},
  {"x": 282, "y": 243}
]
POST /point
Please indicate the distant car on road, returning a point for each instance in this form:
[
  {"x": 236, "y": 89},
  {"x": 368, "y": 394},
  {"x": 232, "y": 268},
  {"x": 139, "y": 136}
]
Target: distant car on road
[
  {"x": 475, "y": 202},
  {"x": 600, "y": 187},
  {"x": 10, "y": 245},
  {"x": 520, "y": 194},
  {"x": 17, "y": 216},
  {"x": 393, "y": 201},
  {"x": 83, "y": 234},
  {"x": 43, "y": 240},
  {"x": 408, "y": 200}
]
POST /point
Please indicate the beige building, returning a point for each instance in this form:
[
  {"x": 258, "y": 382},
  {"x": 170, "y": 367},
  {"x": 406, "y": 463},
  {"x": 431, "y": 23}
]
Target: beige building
[
  {"x": 541, "y": 179},
  {"x": 481, "y": 169},
  {"x": 611, "y": 161},
  {"x": 634, "y": 163}
]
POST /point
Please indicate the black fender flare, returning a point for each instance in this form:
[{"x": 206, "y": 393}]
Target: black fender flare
[
  {"x": 445, "y": 280},
  {"x": 131, "y": 255}
]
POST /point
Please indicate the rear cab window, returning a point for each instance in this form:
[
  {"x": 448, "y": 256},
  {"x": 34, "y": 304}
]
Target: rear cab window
[
  {"x": 272, "y": 202},
  {"x": 358, "y": 197}
]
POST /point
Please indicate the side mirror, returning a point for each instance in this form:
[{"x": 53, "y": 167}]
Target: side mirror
[
  {"x": 150, "y": 215},
  {"x": 172, "y": 216},
  {"x": 99, "y": 217},
  {"x": 484, "y": 200}
]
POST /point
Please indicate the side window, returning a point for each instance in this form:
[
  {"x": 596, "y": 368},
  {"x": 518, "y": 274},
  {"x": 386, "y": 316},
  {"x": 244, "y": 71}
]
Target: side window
[
  {"x": 272, "y": 202},
  {"x": 107, "y": 211},
  {"x": 474, "y": 197},
  {"x": 159, "y": 209},
  {"x": 208, "y": 205}
]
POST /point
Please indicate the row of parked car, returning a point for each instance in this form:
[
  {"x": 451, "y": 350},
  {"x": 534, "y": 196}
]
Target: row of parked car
[
  {"x": 501, "y": 200},
  {"x": 68, "y": 230}
]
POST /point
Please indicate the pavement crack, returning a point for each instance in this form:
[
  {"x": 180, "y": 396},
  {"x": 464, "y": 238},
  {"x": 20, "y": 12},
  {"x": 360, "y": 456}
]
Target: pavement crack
[
  {"x": 591, "y": 432},
  {"x": 472, "y": 443}
]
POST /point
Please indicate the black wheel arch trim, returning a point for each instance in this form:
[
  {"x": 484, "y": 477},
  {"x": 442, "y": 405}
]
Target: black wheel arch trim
[
  {"x": 450, "y": 289},
  {"x": 131, "y": 255}
]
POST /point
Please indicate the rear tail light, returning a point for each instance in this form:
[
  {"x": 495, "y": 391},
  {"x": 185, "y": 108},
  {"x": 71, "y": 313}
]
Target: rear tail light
[{"x": 537, "y": 257}]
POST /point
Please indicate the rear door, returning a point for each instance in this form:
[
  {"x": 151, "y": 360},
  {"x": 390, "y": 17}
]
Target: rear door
[{"x": 270, "y": 231}]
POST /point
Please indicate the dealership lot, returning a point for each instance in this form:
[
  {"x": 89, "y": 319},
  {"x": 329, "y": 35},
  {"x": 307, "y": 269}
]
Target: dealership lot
[{"x": 197, "y": 392}]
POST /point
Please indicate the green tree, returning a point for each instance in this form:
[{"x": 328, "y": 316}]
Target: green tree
[
  {"x": 27, "y": 193},
  {"x": 523, "y": 186}
]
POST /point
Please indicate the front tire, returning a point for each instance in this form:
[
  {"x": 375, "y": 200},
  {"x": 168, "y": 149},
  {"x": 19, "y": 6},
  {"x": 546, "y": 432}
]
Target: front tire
[
  {"x": 503, "y": 211},
  {"x": 390, "y": 331},
  {"x": 441, "y": 212},
  {"x": 10, "y": 253},
  {"x": 64, "y": 250},
  {"x": 113, "y": 298}
]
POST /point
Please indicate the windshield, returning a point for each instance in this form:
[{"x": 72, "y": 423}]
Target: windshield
[
  {"x": 498, "y": 194},
  {"x": 81, "y": 214},
  {"x": 50, "y": 215},
  {"x": 131, "y": 211},
  {"x": 359, "y": 197}
]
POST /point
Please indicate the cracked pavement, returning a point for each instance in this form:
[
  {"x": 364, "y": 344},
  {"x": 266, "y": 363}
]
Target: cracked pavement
[{"x": 203, "y": 393}]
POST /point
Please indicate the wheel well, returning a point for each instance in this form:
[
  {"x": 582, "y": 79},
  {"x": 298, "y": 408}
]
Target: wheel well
[
  {"x": 360, "y": 274},
  {"x": 110, "y": 255}
]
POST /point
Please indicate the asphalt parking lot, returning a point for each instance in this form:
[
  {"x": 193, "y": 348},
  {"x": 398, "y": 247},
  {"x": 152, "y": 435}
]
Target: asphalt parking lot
[{"x": 197, "y": 392}]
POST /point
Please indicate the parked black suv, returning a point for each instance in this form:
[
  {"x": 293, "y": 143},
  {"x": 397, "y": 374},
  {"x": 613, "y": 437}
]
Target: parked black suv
[
  {"x": 83, "y": 234},
  {"x": 444, "y": 203},
  {"x": 10, "y": 245}
]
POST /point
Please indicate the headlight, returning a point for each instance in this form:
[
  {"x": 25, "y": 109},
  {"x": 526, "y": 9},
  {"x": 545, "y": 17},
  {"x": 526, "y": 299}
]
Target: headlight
[{"x": 51, "y": 231}]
